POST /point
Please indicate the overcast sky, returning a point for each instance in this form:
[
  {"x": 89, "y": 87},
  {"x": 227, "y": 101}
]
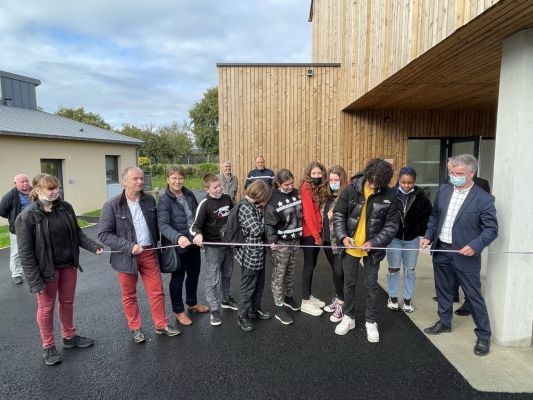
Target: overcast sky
[{"x": 143, "y": 62}]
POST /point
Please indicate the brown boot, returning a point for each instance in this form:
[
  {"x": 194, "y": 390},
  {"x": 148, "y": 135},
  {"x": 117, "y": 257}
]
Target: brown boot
[
  {"x": 183, "y": 318},
  {"x": 199, "y": 308}
]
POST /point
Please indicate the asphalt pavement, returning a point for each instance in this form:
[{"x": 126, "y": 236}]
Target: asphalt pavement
[{"x": 305, "y": 360}]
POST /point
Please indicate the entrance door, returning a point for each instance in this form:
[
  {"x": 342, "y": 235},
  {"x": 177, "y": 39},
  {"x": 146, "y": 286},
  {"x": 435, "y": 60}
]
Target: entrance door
[{"x": 53, "y": 167}]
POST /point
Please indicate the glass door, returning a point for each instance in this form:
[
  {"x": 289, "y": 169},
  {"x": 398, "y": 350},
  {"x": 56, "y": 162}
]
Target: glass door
[{"x": 54, "y": 167}]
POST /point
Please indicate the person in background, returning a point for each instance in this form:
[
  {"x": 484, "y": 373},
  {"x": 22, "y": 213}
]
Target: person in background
[
  {"x": 211, "y": 216},
  {"x": 230, "y": 183},
  {"x": 175, "y": 215},
  {"x": 260, "y": 172},
  {"x": 12, "y": 204},
  {"x": 463, "y": 219},
  {"x": 415, "y": 209},
  {"x": 283, "y": 226},
  {"x": 49, "y": 239},
  {"x": 314, "y": 193},
  {"x": 252, "y": 258},
  {"x": 338, "y": 179},
  {"x": 128, "y": 224},
  {"x": 365, "y": 216}
]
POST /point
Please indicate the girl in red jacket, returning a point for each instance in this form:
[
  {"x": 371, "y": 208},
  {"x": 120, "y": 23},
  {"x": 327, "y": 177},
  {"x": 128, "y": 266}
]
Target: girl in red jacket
[{"x": 314, "y": 193}]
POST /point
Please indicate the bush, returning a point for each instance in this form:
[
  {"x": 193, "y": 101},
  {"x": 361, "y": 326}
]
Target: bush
[{"x": 206, "y": 168}]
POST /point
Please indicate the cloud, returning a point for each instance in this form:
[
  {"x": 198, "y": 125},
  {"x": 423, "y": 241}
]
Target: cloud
[{"x": 144, "y": 62}]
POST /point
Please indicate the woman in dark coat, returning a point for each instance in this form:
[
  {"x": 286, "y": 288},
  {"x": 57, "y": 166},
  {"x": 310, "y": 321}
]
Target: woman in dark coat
[
  {"x": 175, "y": 216},
  {"x": 49, "y": 239}
]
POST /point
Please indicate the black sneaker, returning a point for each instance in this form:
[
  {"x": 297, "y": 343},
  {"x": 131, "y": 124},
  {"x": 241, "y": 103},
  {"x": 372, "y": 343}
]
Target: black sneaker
[
  {"x": 259, "y": 314},
  {"x": 52, "y": 356},
  {"x": 245, "y": 324},
  {"x": 215, "y": 318},
  {"x": 282, "y": 316},
  {"x": 230, "y": 303},
  {"x": 77, "y": 341},
  {"x": 292, "y": 303}
]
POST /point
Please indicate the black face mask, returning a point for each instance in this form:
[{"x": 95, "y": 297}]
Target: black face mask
[{"x": 316, "y": 181}]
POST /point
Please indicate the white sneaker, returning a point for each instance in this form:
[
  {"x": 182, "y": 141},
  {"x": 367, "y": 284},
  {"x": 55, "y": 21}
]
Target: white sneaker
[
  {"x": 392, "y": 303},
  {"x": 372, "y": 333},
  {"x": 316, "y": 302},
  {"x": 408, "y": 306},
  {"x": 346, "y": 325},
  {"x": 331, "y": 307},
  {"x": 309, "y": 308},
  {"x": 338, "y": 314}
]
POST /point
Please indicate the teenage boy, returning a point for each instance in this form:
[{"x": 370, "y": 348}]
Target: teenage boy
[{"x": 211, "y": 215}]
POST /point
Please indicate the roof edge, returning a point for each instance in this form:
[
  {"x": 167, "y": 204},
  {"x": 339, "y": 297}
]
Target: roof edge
[
  {"x": 23, "y": 78},
  {"x": 36, "y": 135},
  {"x": 278, "y": 64}
]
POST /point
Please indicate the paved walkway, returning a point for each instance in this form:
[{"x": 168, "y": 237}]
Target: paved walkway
[
  {"x": 505, "y": 369},
  {"x": 301, "y": 361}
]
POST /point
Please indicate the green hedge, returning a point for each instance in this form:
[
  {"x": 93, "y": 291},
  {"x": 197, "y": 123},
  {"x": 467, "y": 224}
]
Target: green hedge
[{"x": 191, "y": 171}]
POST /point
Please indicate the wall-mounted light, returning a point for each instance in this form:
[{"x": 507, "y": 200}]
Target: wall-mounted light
[{"x": 310, "y": 72}]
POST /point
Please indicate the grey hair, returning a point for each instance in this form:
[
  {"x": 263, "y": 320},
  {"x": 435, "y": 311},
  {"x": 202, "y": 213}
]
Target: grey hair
[
  {"x": 126, "y": 170},
  {"x": 225, "y": 162},
  {"x": 467, "y": 160}
]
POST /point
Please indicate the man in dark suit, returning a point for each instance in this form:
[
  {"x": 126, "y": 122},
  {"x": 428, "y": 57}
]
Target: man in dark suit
[{"x": 463, "y": 220}]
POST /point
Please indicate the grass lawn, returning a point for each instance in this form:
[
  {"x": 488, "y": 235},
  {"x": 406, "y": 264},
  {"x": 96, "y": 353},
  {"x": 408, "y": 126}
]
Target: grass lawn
[
  {"x": 4, "y": 236},
  {"x": 160, "y": 181},
  {"x": 95, "y": 213},
  {"x": 4, "y": 233}
]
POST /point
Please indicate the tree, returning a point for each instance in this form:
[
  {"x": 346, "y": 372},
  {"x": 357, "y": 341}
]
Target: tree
[
  {"x": 167, "y": 143},
  {"x": 204, "y": 116},
  {"x": 79, "y": 114}
]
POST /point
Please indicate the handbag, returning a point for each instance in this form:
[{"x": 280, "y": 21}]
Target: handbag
[{"x": 169, "y": 261}]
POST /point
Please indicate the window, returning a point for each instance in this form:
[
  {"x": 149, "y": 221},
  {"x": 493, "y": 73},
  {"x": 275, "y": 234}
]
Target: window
[
  {"x": 111, "y": 169},
  {"x": 55, "y": 168}
]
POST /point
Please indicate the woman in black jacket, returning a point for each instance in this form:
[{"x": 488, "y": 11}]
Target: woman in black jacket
[
  {"x": 175, "y": 216},
  {"x": 49, "y": 239},
  {"x": 415, "y": 209}
]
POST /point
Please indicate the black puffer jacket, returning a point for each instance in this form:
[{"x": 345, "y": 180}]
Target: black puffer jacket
[
  {"x": 172, "y": 218},
  {"x": 414, "y": 215},
  {"x": 382, "y": 215},
  {"x": 34, "y": 242}
]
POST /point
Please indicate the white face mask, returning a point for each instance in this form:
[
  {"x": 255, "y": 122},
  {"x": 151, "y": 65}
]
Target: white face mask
[{"x": 404, "y": 192}]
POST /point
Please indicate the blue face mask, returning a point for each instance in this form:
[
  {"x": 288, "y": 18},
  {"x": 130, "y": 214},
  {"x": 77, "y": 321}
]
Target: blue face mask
[
  {"x": 334, "y": 186},
  {"x": 457, "y": 180}
]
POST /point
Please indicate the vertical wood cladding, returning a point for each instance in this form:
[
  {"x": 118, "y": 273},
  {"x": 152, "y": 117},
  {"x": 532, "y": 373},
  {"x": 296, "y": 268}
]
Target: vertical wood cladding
[{"x": 291, "y": 119}]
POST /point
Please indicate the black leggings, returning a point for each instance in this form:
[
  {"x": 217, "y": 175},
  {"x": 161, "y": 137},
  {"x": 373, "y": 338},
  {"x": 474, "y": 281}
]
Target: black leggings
[
  {"x": 310, "y": 259},
  {"x": 337, "y": 271}
]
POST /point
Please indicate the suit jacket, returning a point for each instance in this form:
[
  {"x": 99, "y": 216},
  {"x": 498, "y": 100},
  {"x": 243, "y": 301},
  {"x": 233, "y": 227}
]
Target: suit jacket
[{"x": 475, "y": 224}]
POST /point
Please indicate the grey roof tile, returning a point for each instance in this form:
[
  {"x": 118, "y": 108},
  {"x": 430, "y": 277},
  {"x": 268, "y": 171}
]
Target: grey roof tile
[{"x": 17, "y": 121}]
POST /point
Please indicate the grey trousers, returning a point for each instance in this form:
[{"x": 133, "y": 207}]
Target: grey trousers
[
  {"x": 218, "y": 270},
  {"x": 283, "y": 264},
  {"x": 14, "y": 260}
]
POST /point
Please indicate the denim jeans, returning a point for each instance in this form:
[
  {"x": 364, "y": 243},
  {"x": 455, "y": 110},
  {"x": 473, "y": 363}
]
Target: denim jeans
[
  {"x": 409, "y": 258},
  {"x": 218, "y": 271},
  {"x": 190, "y": 264},
  {"x": 14, "y": 259},
  {"x": 350, "y": 265}
]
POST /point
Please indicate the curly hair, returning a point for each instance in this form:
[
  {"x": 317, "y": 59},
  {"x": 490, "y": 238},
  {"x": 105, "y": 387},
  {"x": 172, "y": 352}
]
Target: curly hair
[
  {"x": 320, "y": 193},
  {"x": 379, "y": 172}
]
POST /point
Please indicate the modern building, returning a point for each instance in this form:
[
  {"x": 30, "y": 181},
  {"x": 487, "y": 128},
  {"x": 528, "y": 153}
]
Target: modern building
[
  {"x": 86, "y": 159},
  {"x": 412, "y": 81}
]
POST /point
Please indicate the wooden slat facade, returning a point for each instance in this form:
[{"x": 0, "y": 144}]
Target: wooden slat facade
[
  {"x": 279, "y": 112},
  {"x": 290, "y": 118},
  {"x": 373, "y": 39}
]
